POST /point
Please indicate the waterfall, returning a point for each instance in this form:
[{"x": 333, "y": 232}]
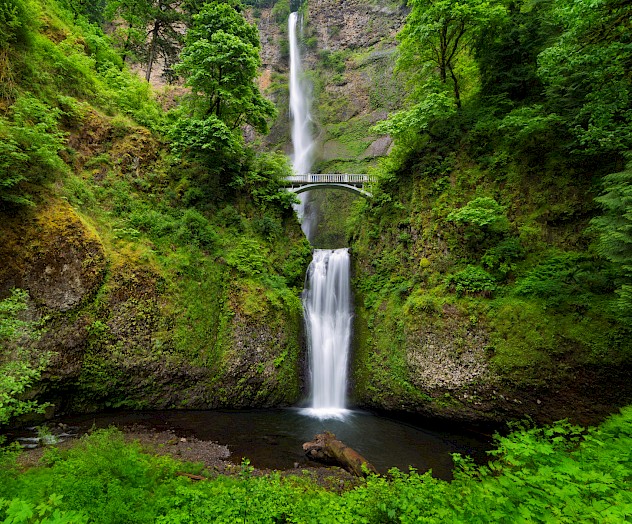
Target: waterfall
[
  {"x": 299, "y": 103},
  {"x": 328, "y": 314},
  {"x": 301, "y": 120},
  {"x": 326, "y": 300}
]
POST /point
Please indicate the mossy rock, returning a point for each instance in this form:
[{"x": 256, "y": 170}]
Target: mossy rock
[{"x": 53, "y": 253}]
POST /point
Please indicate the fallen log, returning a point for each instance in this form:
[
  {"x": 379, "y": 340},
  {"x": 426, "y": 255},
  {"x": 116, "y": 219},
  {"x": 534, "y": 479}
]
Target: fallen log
[
  {"x": 326, "y": 448},
  {"x": 190, "y": 475}
]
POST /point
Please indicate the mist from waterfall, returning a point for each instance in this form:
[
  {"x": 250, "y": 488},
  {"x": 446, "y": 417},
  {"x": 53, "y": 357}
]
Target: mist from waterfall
[
  {"x": 300, "y": 100},
  {"x": 328, "y": 316}
]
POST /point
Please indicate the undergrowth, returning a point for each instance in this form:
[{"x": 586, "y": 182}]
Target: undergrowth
[{"x": 558, "y": 473}]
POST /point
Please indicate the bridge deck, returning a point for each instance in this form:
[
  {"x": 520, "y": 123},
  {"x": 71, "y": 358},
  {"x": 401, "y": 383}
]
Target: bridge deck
[{"x": 329, "y": 178}]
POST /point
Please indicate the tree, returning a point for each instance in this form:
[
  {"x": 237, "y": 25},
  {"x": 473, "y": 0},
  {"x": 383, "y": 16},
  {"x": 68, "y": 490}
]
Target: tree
[
  {"x": 93, "y": 10},
  {"x": 220, "y": 62},
  {"x": 437, "y": 38},
  {"x": 438, "y": 33},
  {"x": 165, "y": 35},
  {"x": 131, "y": 21},
  {"x": 587, "y": 75},
  {"x": 153, "y": 29},
  {"x": 507, "y": 51},
  {"x": 615, "y": 233}
]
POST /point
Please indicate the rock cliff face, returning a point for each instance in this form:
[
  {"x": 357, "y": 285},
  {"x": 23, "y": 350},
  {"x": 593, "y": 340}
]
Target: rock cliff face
[
  {"x": 354, "y": 80},
  {"x": 354, "y": 24},
  {"x": 111, "y": 326},
  {"x": 439, "y": 366},
  {"x": 348, "y": 50}
]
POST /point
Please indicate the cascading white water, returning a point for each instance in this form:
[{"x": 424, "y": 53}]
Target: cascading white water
[
  {"x": 299, "y": 103},
  {"x": 301, "y": 120},
  {"x": 328, "y": 314},
  {"x": 326, "y": 301}
]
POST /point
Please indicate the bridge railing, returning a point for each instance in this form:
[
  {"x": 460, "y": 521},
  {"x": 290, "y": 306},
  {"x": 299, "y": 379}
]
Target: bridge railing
[{"x": 335, "y": 178}]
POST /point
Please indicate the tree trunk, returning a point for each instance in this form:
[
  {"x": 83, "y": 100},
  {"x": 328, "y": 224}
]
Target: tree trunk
[
  {"x": 152, "y": 50},
  {"x": 326, "y": 448},
  {"x": 457, "y": 93}
]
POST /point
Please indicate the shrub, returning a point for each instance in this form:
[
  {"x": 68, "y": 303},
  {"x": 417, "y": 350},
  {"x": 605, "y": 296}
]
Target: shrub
[
  {"x": 481, "y": 221},
  {"x": 264, "y": 179},
  {"x": 421, "y": 301},
  {"x": 564, "y": 277},
  {"x": 502, "y": 257},
  {"x": 29, "y": 145},
  {"x": 334, "y": 60},
  {"x": 196, "y": 229},
  {"x": 281, "y": 11},
  {"x": 130, "y": 94},
  {"x": 152, "y": 222},
  {"x": 483, "y": 213},
  {"x": 268, "y": 227},
  {"x": 558, "y": 473},
  {"x": 15, "y": 19},
  {"x": 472, "y": 280},
  {"x": 248, "y": 257},
  {"x": 615, "y": 233},
  {"x": 19, "y": 367}
]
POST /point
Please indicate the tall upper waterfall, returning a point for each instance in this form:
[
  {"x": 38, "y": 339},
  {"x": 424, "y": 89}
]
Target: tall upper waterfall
[
  {"x": 328, "y": 315},
  {"x": 299, "y": 113},
  {"x": 299, "y": 103}
]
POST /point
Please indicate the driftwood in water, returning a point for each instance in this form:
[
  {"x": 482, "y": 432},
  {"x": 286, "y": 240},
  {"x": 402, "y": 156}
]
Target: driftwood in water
[{"x": 326, "y": 448}]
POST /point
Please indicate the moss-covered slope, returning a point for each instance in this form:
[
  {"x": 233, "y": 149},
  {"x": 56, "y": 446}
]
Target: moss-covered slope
[
  {"x": 478, "y": 296},
  {"x": 160, "y": 285}
]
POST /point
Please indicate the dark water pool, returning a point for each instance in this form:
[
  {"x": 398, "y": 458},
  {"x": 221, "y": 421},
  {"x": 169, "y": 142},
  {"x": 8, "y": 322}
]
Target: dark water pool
[{"x": 273, "y": 438}]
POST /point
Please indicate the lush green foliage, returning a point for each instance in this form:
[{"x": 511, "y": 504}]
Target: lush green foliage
[
  {"x": 19, "y": 367},
  {"x": 473, "y": 280},
  {"x": 191, "y": 239},
  {"x": 30, "y": 141},
  {"x": 561, "y": 64},
  {"x": 586, "y": 74},
  {"x": 615, "y": 228},
  {"x": 14, "y": 23},
  {"x": 405, "y": 125},
  {"x": 482, "y": 221},
  {"x": 559, "y": 473},
  {"x": 437, "y": 37},
  {"x": 42, "y": 83},
  {"x": 483, "y": 211}
]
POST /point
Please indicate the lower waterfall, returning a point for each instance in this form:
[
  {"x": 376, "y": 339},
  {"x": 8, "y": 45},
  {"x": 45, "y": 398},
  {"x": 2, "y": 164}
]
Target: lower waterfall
[{"x": 328, "y": 317}]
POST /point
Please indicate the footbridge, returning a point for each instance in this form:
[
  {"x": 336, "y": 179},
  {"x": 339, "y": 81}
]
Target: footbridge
[{"x": 349, "y": 182}]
